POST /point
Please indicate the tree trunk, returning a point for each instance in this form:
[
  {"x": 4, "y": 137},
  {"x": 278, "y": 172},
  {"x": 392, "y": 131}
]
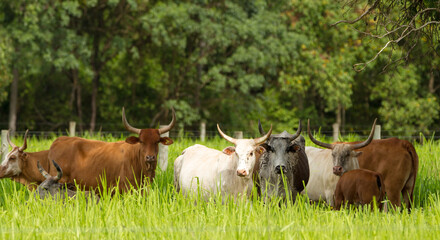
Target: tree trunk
[
  {"x": 96, "y": 64},
  {"x": 339, "y": 114},
  {"x": 431, "y": 80},
  {"x": 13, "y": 98}
]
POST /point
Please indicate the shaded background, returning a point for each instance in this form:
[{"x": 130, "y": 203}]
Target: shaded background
[{"x": 227, "y": 62}]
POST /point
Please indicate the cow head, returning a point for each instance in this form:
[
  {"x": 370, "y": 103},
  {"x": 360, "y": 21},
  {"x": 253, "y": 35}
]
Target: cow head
[
  {"x": 245, "y": 150},
  {"x": 50, "y": 186},
  {"x": 344, "y": 156},
  {"x": 15, "y": 159},
  {"x": 280, "y": 159},
  {"x": 149, "y": 138}
]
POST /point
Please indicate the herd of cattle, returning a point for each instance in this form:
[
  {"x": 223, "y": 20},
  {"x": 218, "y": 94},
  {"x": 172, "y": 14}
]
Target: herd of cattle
[{"x": 277, "y": 165}]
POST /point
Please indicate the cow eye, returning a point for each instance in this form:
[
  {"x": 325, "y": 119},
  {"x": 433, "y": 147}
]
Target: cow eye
[
  {"x": 12, "y": 157},
  {"x": 252, "y": 154}
]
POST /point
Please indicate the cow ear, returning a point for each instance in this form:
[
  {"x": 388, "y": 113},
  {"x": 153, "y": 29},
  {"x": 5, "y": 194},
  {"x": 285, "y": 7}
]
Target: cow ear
[
  {"x": 132, "y": 140},
  {"x": 260, "y": 149},
  {"x": 229, "y": 150},
  {"x": 357, "y": 154},
  {"x": 294, "y": 148},
  {"x": 166, "y": 140},
  {"x": 265, "y": 146},
  {"x": 24, "y": 156}
]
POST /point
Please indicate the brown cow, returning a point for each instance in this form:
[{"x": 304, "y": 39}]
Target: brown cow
[
  {"x": 360, "y": 187},
  {"x": 398, "y": 163},
  {"x": 21, "y": 166},
  {"x": 122, "y": 163}
]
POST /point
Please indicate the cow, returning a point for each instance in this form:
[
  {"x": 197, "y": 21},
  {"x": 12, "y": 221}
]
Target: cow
[
  {"x": 21, "y": 166},
  {"x": 122, "y": 164},
  {"x": 398, "y": 162},
  {"x": 328, "y": 165},
  {"x": 228, "y": 172},
  {"x": 360, "y": 187},
  {"x": 51, "y": 188},
  {"x": 284, "y": 155}
]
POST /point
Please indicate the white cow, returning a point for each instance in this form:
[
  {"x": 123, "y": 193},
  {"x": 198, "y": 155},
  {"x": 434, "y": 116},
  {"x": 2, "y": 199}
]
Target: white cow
[
  {"x": 212, "y": 171},
  {"x": 328, "y": 165}
]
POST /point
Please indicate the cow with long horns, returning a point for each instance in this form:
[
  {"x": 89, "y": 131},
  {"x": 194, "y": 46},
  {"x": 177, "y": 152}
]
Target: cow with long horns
[
  {"x": 284, "y": 156},
  {"x": 229, "y": 171},
  {"x": 123, "y": 164},
  {"x": 327, "y": 165},
  {"x": 51, "y": 187},
  {"x": 21, "y": 166}
]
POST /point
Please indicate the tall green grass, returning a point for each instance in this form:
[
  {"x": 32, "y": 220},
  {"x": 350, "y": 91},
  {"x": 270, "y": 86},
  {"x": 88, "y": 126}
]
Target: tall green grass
[{"x": 160, "y": 212}]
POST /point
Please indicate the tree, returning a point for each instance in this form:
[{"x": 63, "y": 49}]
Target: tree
[
  {"x": 215, "y": 55},
  {"x": 405, "y": 24}
]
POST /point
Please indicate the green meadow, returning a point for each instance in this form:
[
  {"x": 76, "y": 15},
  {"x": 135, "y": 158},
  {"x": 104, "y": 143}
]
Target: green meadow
[{"x": 161, "y": 213}]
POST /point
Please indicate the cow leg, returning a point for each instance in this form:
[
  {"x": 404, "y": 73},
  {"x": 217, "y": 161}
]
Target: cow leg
[
  {"x": 329, "y": 197},
  {"x": 394, "y": 198},
  {"x": 407, "y": 192}
]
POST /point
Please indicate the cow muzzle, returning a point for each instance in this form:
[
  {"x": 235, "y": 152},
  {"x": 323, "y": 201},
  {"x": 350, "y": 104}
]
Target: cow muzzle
[
  {"x": 338, "y": 170},
  {"x": 281, "y": 168},
  {"x": 241, "y": 173},
  {"x": 150, "y": 158}
]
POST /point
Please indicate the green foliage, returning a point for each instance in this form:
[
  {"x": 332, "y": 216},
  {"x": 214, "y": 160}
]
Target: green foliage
[
  {"x": 403, "y": 109},
  {"x": 229, "y": 62}
]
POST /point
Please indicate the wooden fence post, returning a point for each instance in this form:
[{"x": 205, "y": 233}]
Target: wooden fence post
[
  {"x": 335, "y": 132},
  {"x": 376, "y": 132},
  {"x": 238, "y": 134},
  {"x": 163, "y": 151},
  {"x": 202, "y": 131},
  {"x": 72, "y": 126},
  {"x": 4, "y": 147}
]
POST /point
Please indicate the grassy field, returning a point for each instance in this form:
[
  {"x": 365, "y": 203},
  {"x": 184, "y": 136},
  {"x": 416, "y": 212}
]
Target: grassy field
[{"x": 164, "y": 214}]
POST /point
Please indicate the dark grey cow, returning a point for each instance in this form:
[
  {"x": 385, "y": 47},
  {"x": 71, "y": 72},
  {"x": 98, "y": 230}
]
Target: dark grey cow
[
  {"x": 285, "y": 155},
  {"x": 52, "y": 188}
]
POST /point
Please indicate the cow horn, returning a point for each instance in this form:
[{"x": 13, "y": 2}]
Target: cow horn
[
  {"x": 263, "y": 138},
  {"x": 42, "y": 171},
  {"x": 322, "y": 144},
  {"x": 260, "y": 128},
  {"x": 170, "y": 126},
  {"x": 229, "y": 139},
  {"x": 22, "y": 148},
  {"x": 366, "y": 142},
  {"x": 127, "y": 125},
  {"x": 59, "y": 171},
  {"x": 298, "y": 132},
  {"x": 9, "y": 140}
]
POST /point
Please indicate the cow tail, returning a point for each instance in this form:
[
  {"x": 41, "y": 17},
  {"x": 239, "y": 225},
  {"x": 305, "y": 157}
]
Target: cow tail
[{"x": 415, "y": 161}]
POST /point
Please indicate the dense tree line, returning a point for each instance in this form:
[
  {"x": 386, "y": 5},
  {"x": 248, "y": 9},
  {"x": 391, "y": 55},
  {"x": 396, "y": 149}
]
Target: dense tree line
[{"x": 230, "y": 62}]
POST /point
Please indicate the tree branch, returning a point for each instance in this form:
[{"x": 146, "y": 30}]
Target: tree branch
[{"x": 358, "y": 18}]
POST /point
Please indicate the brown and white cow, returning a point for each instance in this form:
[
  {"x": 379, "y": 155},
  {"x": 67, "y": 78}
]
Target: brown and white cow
[
  {"x": 327, "y": 165},
  {"x": 229, "y": 172},
  {"x": 123, "y": 164},
  {"x": 398, "y": 163},
  {"x": 51, "y": 188},
  {"x": 360, "y": 187},
  {"x": 21, "y": 166}
]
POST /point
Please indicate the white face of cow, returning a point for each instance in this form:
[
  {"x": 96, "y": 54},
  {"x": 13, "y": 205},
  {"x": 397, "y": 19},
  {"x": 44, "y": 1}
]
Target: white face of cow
[
  {"x": 245, "y": 151},
  {"x": 11, "y": 166}
]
